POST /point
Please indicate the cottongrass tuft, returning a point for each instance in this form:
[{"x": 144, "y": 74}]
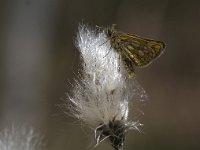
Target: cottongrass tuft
[
  {"x": 20, "y": 138},
  {"x": 102, "y": 93}
]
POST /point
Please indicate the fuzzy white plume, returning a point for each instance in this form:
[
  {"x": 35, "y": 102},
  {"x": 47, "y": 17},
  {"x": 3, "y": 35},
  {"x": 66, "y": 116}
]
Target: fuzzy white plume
[
  {"x": 102, "y": 92},
  {"x": 20, "y": 138}
]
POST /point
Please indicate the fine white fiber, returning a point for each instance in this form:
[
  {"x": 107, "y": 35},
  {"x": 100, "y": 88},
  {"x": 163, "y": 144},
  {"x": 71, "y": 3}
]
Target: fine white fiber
[
  {"x": 102, "y": 94},
  {"x": 20, "y": 138}
]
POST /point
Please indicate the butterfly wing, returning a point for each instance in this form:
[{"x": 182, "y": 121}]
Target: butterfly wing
[
  {"x": 139, "y": 50},
  {"x": 129, "y": 65}
]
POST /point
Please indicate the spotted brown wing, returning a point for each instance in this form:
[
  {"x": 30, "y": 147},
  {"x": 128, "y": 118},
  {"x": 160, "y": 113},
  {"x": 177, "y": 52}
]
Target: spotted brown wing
[
  {"x": 129, "y": 65},
  {"x": 138, "y": 50}
]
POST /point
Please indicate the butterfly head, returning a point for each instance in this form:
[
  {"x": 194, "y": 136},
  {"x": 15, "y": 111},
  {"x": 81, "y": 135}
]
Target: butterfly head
[{"x": 110, "y": 31}]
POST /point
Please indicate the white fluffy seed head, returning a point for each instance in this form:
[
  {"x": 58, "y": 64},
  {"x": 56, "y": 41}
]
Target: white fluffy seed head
[
  {"x": 102, "y": 92},
  {"x": 20, "y": 138}
]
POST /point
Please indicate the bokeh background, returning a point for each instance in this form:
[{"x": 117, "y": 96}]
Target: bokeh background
[{"x": 38, "y": 60}]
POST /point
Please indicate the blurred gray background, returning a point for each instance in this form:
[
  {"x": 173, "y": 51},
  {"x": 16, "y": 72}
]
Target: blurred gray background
[{"x": 38, "y": 59}]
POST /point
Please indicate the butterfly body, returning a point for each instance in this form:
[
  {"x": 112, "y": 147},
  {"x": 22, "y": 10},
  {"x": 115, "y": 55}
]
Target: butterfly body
[{"x": 135, "y": 51}]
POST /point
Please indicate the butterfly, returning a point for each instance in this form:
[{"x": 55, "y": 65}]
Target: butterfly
[{"x": 135, "y": 51}]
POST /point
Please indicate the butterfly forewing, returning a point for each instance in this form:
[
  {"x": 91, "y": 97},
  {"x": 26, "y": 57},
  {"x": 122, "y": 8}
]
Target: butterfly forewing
[
  {"x": 141, "y": 51},
  {"x": 134, "y": 50}
]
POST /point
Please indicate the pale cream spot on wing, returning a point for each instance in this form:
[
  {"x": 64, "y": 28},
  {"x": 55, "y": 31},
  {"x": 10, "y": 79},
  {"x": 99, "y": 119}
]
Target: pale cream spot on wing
[
  {"x": 141, "y": 53},
  {"x": 136, "y": 44},
  {"x": 145, "y": 48},
  {"x": 130, "y": 47}
]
